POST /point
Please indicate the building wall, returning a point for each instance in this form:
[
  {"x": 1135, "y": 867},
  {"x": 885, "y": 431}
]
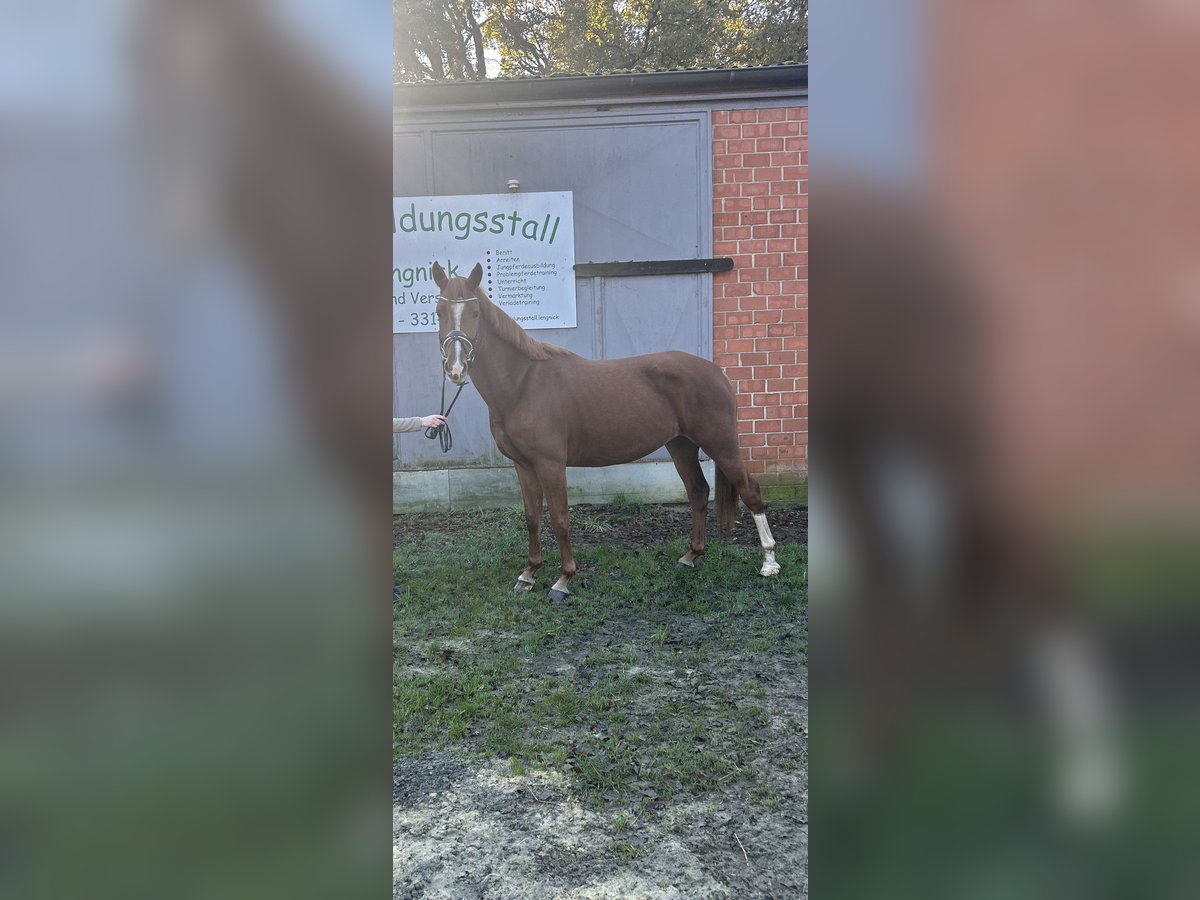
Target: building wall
[
  {"x": 745, "y": 165},
  {"x": 760, "y": 308},
  {"x": 641, "y": 182}
]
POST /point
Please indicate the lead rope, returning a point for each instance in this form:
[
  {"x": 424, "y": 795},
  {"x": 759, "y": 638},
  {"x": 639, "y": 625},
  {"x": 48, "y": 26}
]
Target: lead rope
[{"x": 442, "y": 432}]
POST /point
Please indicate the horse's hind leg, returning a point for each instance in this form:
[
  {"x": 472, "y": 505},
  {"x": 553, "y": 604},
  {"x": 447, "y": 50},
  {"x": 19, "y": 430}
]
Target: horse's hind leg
[
  {"x": 554, "y": 483},
  {"x": 686, "y": 456},
  {"x": 729, "y": 461},
  {"x": 531, "y": 496}
]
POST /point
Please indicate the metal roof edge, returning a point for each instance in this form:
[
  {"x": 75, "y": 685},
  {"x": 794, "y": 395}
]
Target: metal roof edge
[{"x": 790, "y": 78}]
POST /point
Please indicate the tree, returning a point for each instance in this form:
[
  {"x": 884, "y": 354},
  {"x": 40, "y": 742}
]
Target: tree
[
  {"x": 447, "y": 39},
  {"x": 438, "y": 40}
]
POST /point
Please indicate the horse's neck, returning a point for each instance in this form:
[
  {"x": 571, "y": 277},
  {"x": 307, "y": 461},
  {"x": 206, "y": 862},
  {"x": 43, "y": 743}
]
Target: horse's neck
[{"x": 498, "y": 371}]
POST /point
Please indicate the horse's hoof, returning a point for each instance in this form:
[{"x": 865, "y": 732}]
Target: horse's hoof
[
  {"x": 556, "y": 596},
  {"x": 769, "y": 569},
  {"x": 522, "y": 587}
]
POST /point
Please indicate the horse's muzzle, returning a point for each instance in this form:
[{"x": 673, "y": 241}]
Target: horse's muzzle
[{"x": 457, "y": 354}]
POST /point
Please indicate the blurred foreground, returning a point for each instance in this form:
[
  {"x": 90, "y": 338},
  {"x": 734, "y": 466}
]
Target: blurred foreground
[
  {"x": 193, "y": 620},
  {"x": 1005, "y": 498}
]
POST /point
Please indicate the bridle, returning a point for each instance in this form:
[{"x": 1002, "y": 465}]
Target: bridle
[
  {"x": 442, "y": 432},
  {"x": 460, "y": 337}
]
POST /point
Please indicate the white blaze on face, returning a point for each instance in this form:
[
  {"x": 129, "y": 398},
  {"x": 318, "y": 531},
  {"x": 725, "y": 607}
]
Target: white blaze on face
[
  {"x": 769, "y": 567},
  {"x": 456, "y": 364}
]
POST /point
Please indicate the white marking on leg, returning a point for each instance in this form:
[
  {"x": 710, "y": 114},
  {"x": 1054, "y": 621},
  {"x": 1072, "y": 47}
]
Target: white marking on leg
[
  {"x": 764, "y": 531},
  {"x": 561, "y": 584},
  {"x": 769, "y": 567},
  {"x": 1080, "y": 707},
  {"x": 526, "y": 577}
]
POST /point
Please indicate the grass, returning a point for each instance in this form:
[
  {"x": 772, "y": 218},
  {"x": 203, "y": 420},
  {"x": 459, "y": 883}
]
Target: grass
[
  {"x": 767, "y": 793},
  {"x": 640, "y": 687},
  {"x": 626, "y": 509},
  {"x": 968, "y": 795},
  {"x": 591, "y": 524},
  {"x": 624, "y": 851}
]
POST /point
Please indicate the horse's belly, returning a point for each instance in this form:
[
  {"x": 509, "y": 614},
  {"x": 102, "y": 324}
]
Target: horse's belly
[{"x": 599, "y": 452}]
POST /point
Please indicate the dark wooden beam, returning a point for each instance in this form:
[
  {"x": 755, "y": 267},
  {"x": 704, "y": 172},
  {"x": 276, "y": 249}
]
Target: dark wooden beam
[{"x": 653, "y": 267}]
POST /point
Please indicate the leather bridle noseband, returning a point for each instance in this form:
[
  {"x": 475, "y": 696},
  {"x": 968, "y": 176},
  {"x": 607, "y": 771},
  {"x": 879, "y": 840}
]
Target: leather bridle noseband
[
  {"x": 442, "y": 432},
  {"x": 459, "y": 337}
]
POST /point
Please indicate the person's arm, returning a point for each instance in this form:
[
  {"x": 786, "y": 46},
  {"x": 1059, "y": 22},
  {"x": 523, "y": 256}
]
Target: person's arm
[{"x": 416, "y": 423}]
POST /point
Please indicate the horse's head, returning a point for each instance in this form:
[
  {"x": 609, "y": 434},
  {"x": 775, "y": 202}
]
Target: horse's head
[{"x": 459, "y": 317}]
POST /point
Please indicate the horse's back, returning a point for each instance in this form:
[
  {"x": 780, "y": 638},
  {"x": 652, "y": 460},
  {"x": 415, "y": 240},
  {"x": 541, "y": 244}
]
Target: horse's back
[
  {"x": 686, "y": 371},
  {"x": 674, "y": 364},
  {"x": 618, "y": 410}
]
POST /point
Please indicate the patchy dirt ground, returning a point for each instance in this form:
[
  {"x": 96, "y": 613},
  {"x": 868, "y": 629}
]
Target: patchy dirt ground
[
  {"x": 493, "y": 831},
  {"x": 648, "y": 525},
  {"x": 487, "y": 834}
]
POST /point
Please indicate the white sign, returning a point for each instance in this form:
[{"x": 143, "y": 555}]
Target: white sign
[{"x": 525, "y": 243}]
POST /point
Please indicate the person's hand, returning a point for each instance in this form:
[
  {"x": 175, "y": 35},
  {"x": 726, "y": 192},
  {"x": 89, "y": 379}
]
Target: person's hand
[{"x": 433, "y": 421}]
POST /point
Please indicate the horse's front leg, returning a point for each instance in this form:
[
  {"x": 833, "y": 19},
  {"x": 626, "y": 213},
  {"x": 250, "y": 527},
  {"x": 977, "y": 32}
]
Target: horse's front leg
[
  {"x": 554, "y": 483},
  {"x": 531, "y": 496}
]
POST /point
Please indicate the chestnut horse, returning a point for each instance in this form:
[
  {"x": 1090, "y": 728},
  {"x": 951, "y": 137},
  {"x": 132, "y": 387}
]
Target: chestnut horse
[{"x": 550, "y": 408}]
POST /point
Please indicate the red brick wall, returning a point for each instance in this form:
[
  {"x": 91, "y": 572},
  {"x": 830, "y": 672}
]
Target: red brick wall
[{"x": 760, "y": 309}]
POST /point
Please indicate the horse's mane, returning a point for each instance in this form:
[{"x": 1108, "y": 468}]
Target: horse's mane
[{"x": 504, "y": 327}]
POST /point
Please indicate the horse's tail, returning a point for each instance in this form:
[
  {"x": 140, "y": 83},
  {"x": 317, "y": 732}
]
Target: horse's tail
[{"x": 726, "y": 503}]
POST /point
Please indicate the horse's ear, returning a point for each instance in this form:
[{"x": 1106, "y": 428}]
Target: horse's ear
[
  {"x": 439, "y": 275},
  {"x": 475, "y": 277}
]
